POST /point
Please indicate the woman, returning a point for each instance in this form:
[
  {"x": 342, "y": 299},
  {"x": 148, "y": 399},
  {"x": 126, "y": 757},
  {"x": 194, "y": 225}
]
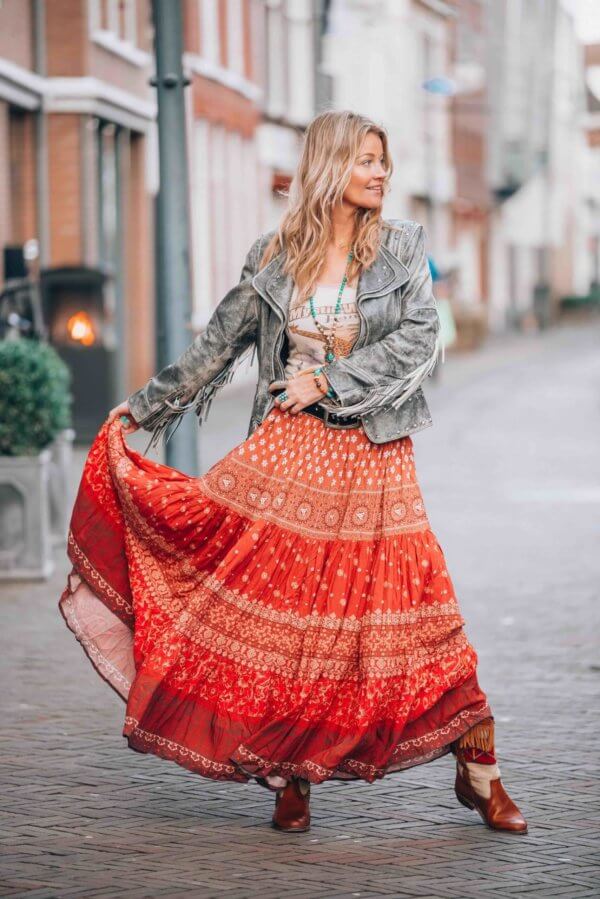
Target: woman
[{"x": 288, "y": 617}]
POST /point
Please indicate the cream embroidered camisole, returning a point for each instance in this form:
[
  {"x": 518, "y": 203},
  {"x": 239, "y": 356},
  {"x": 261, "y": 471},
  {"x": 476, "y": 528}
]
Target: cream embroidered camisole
[{"x": 306, "y": 345}]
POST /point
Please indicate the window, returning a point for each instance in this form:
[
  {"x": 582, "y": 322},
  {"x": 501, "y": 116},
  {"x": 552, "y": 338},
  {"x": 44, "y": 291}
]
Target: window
[
  {"x": 128, "y": 21},
  {"x": 113, "y": 25},
  {"x": 210, "y": 36},
  {"x": 115, "y": 16},
  {"x": 276, "y": 59},
  {"x": 235, "y": 36},
  {"x": 120, "y": 18}
]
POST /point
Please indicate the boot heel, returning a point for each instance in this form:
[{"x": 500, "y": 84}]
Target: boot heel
[
  {"x": 464, "y": 801},
  {"x": 292, "y": 809}
]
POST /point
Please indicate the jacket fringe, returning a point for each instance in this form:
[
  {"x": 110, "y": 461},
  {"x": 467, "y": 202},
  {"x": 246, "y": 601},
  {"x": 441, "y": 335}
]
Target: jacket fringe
[
  {"x": 480, "y": 736},
  {"x": 392, "y": 395},
  {"x": 163, "y": 423}
]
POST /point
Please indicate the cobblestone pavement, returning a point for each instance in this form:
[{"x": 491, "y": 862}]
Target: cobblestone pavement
[{"x": 511, "y": 479}]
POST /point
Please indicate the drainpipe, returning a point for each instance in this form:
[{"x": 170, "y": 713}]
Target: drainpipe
[
  {"x": 41, "y": 137},
  {"x": 173, "y": 279}
]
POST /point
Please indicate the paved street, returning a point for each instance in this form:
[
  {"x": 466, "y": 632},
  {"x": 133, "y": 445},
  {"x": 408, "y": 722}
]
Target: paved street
[{"x": 511, "y": 478}]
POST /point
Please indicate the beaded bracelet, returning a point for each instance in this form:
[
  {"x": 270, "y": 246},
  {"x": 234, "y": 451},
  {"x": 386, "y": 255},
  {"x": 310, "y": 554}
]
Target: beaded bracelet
[{"x": 330, "y": 391}]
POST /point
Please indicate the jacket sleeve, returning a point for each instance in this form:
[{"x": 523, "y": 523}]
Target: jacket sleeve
[
  {"x": 207, "y": 364},
  {"x": 388, "y": 371}
]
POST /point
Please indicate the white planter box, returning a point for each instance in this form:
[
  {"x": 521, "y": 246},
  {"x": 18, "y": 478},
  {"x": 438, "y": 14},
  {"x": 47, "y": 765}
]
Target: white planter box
[
  {"x": 25, "y": 536},
  {"x": 61, "y": 465}
]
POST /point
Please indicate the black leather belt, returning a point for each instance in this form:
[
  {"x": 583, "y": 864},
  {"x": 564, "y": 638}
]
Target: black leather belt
[{"x": 331, "y": 419}]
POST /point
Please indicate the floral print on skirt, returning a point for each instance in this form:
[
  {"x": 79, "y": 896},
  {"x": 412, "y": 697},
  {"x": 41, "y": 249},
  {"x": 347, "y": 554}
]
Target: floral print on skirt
[{"x": 289, "y": 613}]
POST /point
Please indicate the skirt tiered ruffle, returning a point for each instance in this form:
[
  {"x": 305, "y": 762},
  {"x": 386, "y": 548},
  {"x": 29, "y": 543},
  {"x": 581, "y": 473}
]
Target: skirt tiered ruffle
[{"x": 287, "y": 614}]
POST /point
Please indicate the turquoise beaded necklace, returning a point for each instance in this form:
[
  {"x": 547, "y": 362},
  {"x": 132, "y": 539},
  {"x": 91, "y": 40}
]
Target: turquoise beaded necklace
[{"x": 329, "y": 334}]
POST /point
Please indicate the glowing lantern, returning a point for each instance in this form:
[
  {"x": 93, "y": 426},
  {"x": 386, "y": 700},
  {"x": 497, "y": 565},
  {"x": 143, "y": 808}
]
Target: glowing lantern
[{"x": 81, "y": 329}]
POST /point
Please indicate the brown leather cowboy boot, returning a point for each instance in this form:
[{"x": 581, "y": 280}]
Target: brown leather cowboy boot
[
  {"x": 478, "y": 785},
  {"x": 292, "y": 809}
]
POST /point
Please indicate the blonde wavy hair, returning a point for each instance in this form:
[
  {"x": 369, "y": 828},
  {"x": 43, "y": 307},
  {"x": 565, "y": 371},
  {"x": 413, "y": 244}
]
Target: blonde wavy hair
[{"x": 332, "y": 142}]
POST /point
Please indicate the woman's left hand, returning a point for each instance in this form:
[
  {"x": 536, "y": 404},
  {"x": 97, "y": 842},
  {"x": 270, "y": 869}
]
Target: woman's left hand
[
  {"x": 128, "y": 422},
  {"x": 301, "y": 391}
]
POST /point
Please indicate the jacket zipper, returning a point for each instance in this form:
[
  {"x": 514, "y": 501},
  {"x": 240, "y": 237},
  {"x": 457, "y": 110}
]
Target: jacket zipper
[
  {"x": 278, "y": 345},
  {"x": 363, "y": 329},
  {"x": 280, "y": 370}
]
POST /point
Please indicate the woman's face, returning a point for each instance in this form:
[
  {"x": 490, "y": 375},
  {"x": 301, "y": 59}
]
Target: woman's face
[{"x": 365, "y": 188}]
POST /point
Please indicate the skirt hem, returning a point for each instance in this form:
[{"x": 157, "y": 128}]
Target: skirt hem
[
  {"x": 239, "y": 771},
  {"x": 245, "y": 766}
]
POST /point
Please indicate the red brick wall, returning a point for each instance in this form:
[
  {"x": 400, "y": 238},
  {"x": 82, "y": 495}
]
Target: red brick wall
[
  {"x": 469, "y": 116},
  {"x": 223, "y": 30},
  {"x": 594, "y": 138},
  {"x": 222, "y": 105},
  {"x": 120, "y": 72},
  {"x": 66, "y": 38},
  {"x": 247, "y": 30},
  {"x": 23, "y": 176},
  {"x": 191, "y": 26},
  {"x": 64, "y": 200},
  {"x": 592, "y": 54},
  {"x": 18, "y": 219},
  {"x": 71, "y": 52},
  {"x": 5, "y": 212},
  {"x": 144, "y": 25},
  {"x": 107, "y": 67},
  {"x": 16, "y": 32}
]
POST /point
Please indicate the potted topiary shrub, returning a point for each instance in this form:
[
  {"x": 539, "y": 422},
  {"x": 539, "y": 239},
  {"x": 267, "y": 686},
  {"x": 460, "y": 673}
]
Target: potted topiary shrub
[{"x": 35, "y": 401}]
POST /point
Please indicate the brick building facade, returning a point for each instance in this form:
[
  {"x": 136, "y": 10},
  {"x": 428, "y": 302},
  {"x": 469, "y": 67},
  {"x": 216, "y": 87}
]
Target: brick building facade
[
  {"x": 472, "y": 202},
  {"x": 252, "y": 65},
  {"x": 223, "y": 52},
  {"x": 76, "y": 114},
  {"x": 78, "y": 149}
]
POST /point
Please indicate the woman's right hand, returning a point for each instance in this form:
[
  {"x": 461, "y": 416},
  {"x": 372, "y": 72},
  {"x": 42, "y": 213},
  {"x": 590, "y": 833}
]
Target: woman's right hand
[{"x": 123, "y": 410}]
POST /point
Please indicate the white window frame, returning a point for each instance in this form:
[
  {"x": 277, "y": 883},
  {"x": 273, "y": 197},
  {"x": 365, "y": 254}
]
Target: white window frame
[
  {"x": 109, "y": 38},
  {"x": 131, "y": 23},
  {"x": 94, "y": 16},
  {"x": 276, "y": 58},
  {"x": 112, "y": 16},
  {"x": 235, "y": 37},
  {"x": 207, "y": 62},
  {"x": 210, "y": 31},
  {"x": 202, "y": 232}
]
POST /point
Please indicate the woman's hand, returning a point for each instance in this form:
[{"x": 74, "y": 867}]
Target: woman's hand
[
  {"x": 123, "y": 410},
  {"x": 301, "y": 391}
]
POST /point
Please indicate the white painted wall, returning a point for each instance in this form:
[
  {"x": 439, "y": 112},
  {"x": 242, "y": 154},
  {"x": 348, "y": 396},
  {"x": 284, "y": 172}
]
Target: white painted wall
[
  {"x": 227, "y": 187},
  {"x": 551, "y": 208},
  {"x": 380, "y": 52},
  {"x": 290, "y": 95}
]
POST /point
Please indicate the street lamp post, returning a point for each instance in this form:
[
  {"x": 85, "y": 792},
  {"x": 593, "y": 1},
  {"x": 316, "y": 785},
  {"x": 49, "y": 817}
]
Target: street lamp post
[{"x": 173, "y": 278}]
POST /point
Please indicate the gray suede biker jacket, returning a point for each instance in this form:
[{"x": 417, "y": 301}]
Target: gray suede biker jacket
[{"x": 380, "y": 380}]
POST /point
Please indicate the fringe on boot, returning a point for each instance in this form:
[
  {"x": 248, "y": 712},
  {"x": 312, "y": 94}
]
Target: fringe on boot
[{"x": 481, "y": 736}]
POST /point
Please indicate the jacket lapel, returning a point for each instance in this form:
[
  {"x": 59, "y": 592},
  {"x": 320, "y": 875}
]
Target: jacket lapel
[
  {"x": 274, "y": 286},
  {"x": 385, "y": 275}
]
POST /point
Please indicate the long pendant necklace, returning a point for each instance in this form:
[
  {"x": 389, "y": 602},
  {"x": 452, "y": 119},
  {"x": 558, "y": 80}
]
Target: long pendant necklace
[{"x": 328, "y": 334}]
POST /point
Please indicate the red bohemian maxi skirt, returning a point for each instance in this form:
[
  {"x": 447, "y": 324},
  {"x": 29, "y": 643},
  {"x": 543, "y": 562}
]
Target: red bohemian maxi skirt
[{"x": 289, "y": 613}]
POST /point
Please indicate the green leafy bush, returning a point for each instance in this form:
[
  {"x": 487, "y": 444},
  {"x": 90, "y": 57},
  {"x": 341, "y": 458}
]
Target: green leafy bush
[{"x": 35, "y": 396}]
